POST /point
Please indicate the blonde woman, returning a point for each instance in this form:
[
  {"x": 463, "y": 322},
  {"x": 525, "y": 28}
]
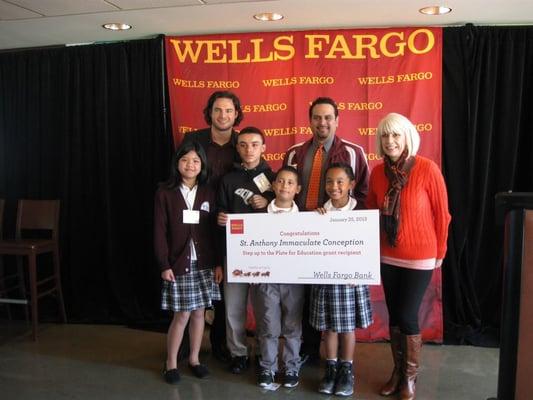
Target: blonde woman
[{"x": 410, "y": 192}]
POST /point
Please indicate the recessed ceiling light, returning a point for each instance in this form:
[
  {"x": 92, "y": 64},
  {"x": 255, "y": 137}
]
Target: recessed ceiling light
[
  {"x": 268, "y": 16},
  {"x": 116, "y": 26},
  {"x": 435, "y": 10}
]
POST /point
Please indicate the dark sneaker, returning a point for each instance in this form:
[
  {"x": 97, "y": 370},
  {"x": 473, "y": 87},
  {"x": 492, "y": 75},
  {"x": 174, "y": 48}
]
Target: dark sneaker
[
  {"x": 265, "y": 378},
  {"x": 290, "y": 379},
  {"x": 238, "y": 364},
  {"x": 344, "y": 384},
  {"x": 327, "y": 384}
]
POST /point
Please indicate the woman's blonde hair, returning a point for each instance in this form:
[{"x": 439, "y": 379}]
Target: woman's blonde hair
[{"x": 397, "y": 123}]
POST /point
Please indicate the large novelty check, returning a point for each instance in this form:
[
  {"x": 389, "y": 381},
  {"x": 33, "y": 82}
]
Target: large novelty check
[{"x": 336, "y": 248}]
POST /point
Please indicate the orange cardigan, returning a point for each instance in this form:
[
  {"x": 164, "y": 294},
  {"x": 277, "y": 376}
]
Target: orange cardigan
[{"x": 424, "y": 216}]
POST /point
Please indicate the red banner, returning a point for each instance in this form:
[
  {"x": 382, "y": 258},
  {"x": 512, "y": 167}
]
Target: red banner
[{"x": 368, "y": 72}]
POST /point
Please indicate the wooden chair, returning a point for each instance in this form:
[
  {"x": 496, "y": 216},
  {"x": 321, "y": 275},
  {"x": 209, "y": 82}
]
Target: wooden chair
[{"x": 36, "y": 215}]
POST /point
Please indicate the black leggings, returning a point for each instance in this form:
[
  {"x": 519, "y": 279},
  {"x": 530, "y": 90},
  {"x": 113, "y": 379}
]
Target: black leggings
[{"x": 404, "y": 289}]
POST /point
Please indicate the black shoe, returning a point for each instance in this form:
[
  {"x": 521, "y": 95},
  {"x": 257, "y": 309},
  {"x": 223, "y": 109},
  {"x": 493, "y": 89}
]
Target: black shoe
[
  {"x": 238, "y": 364},
  {"x": 327, "y": 384},
  {"x": 265, "y": 378},
  {"x": 345, "y": 380},
  {"x": 171, "y": 376},
  {"x": 200, "y": 370},
  {"x": 290, "y": 379}
]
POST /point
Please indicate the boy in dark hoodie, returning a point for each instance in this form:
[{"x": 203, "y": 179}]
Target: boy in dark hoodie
[{"x": 246, "y": 189}]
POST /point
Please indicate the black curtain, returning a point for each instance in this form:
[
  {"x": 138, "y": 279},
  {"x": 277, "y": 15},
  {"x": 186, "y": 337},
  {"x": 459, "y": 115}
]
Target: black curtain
[
  {"x": 87, "y": 125},
  {"x": 487, "y": 148}
]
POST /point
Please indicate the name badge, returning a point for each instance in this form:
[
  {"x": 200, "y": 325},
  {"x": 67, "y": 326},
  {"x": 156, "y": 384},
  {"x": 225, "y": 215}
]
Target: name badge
[
  {"x": 262, "y": 182},
  {"x": 191, "y": 216}
]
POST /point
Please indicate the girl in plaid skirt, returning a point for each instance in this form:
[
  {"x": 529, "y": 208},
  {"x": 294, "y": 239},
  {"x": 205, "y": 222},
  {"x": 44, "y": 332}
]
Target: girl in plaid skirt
[
  {"x": 184, "y": 220},
  {"x": 338, "y": 309}
]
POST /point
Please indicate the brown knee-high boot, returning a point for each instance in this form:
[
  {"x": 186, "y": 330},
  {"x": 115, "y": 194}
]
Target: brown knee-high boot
[
  {"x": 413, "y": 343},
  {"x": 393, "y": 383}
]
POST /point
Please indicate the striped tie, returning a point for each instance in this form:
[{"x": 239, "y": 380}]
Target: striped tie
[{"x": 313, "y": 189}]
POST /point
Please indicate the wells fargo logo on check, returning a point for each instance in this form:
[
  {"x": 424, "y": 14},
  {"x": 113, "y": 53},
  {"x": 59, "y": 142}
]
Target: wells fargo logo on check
[
  {"x": 336, "y": 248},
  {"x": 236, "y": 226}
]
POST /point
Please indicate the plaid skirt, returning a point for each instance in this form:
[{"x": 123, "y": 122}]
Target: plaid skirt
[
  {"x": 191, "y": 291},
  {"x": 340, "y": 308}
]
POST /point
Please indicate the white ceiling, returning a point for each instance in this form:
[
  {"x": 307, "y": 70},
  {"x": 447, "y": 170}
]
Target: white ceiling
[{"x": 31, "y": 23}]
